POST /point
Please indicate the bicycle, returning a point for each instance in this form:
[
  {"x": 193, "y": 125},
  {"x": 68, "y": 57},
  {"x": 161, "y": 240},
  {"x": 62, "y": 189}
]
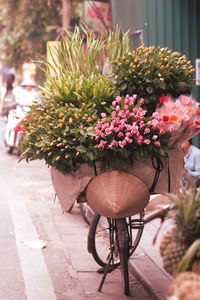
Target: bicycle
[{"x": 111, "y": 241}]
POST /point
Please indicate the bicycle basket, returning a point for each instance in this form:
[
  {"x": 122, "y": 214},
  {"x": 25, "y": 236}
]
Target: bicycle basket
[{"x": 117, "y": 194}]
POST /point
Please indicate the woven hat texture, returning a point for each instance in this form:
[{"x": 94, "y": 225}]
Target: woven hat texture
[{"x": 117, "y": 194}]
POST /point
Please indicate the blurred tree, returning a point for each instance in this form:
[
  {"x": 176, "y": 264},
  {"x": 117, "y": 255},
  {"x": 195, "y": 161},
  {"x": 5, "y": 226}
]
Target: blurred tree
[{"x": 27, "y": 25}]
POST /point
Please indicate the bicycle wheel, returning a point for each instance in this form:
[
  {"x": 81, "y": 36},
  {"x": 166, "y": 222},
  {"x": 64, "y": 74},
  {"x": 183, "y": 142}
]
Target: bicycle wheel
[
  {"x": 101, "y": 239},
  {"x": 101, "y": 234},
  {"x": 124, "y": 251},
  {"x": 86, "y": 212}
]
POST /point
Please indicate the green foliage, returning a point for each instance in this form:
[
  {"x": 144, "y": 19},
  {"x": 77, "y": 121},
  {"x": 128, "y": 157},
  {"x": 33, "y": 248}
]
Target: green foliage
[
  {"x": 117, "y": 43},
  {"x": 151, "y": 72},
  {"x": 60, "y": 130},
  {"x": 69, "y": 55},
  {"x": 75, "y": 88},
  {"x": 60, "y": 134},
  {"x": 74, "y": 96}
]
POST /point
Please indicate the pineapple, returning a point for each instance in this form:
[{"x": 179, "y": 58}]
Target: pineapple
[
  {"x": 196, "y": 267},
  {"x": 186, "y": 286},
  {"x": 172, "y": 255},
  {"x": 167, "y": 239},
  {"x": 174, "y": 244}
]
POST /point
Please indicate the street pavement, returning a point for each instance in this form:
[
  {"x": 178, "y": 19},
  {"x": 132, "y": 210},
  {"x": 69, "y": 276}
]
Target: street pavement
[{"x": 63, "y": 269}]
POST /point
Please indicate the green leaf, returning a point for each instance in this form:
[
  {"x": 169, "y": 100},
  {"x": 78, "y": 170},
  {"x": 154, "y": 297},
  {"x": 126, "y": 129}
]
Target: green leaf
[
  {"x": 81, "y": 149},
  {"x": 123, "y": 86}
]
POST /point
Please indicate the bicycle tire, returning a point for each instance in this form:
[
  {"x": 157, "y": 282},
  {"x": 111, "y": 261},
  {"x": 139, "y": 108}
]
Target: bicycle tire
[
  {"x": 94, "y": 241},
  {"x": 123, "y": 248}
]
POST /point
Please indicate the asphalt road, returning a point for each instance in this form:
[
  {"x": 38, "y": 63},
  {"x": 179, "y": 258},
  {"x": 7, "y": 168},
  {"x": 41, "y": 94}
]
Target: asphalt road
[{"x": 63, "y": 269}]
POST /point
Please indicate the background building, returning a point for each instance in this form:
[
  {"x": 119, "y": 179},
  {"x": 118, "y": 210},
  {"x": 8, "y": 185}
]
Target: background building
[{"x": 171, "y": 23}]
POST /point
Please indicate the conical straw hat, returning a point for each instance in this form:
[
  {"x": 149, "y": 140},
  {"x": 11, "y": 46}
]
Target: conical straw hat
[{"x": 117, "y": 194}]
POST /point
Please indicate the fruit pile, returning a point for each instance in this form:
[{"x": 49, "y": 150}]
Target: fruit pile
[{"x": 180, "y": 247}]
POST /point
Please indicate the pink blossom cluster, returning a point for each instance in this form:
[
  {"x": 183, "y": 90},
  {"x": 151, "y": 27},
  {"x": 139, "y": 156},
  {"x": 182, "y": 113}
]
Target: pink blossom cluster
[
  {"x": 173, "y": 113},
  {"x": 127, "y": 126}
]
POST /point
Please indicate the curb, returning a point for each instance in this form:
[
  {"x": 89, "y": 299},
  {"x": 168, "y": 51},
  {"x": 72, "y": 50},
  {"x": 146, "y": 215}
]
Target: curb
[{"x": 155, "y": 280}]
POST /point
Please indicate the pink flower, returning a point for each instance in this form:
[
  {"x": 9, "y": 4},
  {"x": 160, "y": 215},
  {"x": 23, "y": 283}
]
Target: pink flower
[
  {"x": 115, "y": 143},
  {"x": 120, "y": 134},
  {"x": 117, "y": 108},
  {"x": 155, "y": 115},
  {"x": 113, "y": 114},
  {"x": 126, "y": 101},
  {"x": 118, "y": 99},
  {"x": 154, "y": 123},
  {"x": 99, "y": 124},
  {"x": 122, "y": 144},
  {"x": 98, "y": 132},
  {"x": 103, "y": 115},
  {"x": 154, "y": 137},
  {"x": 185, "y": 99},
  {"x": 102, "y": 144},
  {"x": 127, "y": 112},
  {"x": 157, "y": 143},
  {"x": 147, "y": 141},
  {"x": 142, "y": 125},
  {"x": 116, "y": 129},
  {"x": 141, "y": 101},
  {"x": 114, "y": 103},
  {"x": 147, "y": 130},
  {"x": 108, "y": 131}
]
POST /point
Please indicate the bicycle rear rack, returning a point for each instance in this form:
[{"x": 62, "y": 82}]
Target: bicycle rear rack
[{"x": 137, "y": 224}]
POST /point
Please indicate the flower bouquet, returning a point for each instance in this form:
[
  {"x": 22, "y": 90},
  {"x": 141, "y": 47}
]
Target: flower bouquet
[
  {"x": 88, "y": 117},
  {"x": 126, "y": 134},
  {"x": 179, "y": 117},
  {"x": 152, "y": 72}
]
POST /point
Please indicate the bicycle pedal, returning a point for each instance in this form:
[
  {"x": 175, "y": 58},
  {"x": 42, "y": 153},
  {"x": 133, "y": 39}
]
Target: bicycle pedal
[{"x": 102, "y": 270}]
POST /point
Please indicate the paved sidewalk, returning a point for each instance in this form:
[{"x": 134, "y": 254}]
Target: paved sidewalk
[{"x": 147, "y": 264}]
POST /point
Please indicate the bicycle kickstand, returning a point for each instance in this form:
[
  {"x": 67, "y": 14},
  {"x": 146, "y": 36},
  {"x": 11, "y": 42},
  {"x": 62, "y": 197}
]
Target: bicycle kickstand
[{"x": 106, "y": 271}]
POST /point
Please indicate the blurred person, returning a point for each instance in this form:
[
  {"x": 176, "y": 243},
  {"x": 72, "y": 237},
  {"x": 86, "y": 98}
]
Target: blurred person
[
  {"x": 191, "y": 161},
  {"x": 7, "y": 96},
  {"x": 26, "y": 93}
]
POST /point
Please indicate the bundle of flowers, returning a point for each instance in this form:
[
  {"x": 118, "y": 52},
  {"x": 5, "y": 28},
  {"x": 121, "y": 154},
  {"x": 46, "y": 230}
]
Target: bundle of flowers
[
  {"x": 152, "y": 72},
  {"x": 63, "y": 136},
  {"x": 126, "y": 134},
  {"x": 180, "y": 117},
  {"x": 78, "y": 99}
]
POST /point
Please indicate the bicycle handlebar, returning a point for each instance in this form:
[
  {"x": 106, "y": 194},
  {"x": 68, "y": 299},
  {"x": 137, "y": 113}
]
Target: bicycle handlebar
[{"x": 158, "y": 213}]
